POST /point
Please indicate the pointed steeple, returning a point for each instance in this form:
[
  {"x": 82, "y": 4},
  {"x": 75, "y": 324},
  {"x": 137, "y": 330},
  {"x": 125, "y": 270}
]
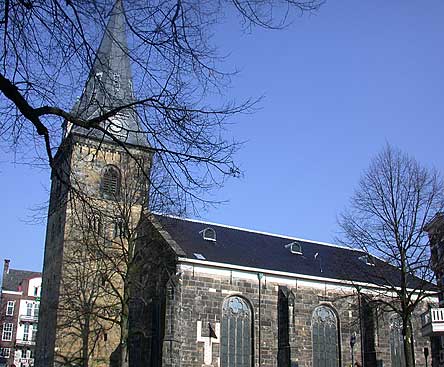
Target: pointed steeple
[{"x": 109, "y": 84}]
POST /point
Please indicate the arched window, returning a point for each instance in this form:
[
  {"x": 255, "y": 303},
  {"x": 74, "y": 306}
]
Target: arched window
[
  {"x": 95, "y": 224},
  {"x": 110, "y": 185},
  {"x": 236, "y": 339},
  {"x": 396, "y": 342},
  {"x": 325, "y": 337}
]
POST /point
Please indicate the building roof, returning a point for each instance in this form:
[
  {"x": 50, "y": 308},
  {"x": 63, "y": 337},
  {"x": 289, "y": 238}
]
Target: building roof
[
  {"x": 248, "y": 248},
  {"x": 109, "y": 86},
  {"x": 13, "y": 279}
]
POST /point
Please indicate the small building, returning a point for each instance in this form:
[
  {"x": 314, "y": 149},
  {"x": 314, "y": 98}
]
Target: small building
[
  {"x": 433, "y": 318},
  {"x": 19, "y": 307}
]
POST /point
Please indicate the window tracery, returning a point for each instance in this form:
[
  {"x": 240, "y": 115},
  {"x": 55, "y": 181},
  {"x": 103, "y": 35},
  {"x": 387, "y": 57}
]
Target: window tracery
[
  {"x": 325, "y": 337},
  {"x": 396, "y": 342},
  {"x": 236, "y": 338}
]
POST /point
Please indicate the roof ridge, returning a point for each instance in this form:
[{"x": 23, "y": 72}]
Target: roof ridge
[{"x": 258, "y": 232}]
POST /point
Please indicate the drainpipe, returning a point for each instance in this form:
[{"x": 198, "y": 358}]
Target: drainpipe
[
  {"x": 259, "y": 277},
  {"x": 361, "y": 337}
]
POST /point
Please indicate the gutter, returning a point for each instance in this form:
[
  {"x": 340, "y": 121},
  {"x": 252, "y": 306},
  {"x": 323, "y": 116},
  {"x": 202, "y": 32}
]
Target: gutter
[{"x": 284, "y": 274}]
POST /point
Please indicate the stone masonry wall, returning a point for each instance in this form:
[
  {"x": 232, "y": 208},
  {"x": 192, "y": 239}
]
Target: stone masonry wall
[
  {"x": 81, "y": 162},
  {"x": 202, "y": 294}
]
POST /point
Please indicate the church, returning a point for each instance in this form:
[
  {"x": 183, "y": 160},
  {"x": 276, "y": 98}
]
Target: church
[{"x": 199, "y": 294}]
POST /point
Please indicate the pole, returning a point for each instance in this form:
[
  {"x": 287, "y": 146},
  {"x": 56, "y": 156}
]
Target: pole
[
  {"x": 352, "y": 345},
  {"x": 353, "y": 357},
  {"x": 259, "y": 277},
  {"x": 360, "y": 327}
]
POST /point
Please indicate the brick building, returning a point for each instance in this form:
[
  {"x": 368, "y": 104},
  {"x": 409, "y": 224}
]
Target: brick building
[
  {"x": 204, "y": 294},
  {"x": 20, "y": 299}
]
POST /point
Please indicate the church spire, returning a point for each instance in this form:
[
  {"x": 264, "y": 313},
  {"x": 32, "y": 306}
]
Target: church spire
[{"x": 109, "y": 84}]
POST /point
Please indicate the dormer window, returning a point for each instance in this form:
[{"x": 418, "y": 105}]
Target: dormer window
[
  {"x": 367, "y": 259},
  {"x": 295, "y": 248},
  {"x": 208, "y": 234}
]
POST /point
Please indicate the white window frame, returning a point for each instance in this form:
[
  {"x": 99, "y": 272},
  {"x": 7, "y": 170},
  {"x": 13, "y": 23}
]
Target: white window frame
[
  {"x": 26, "y": 332},
  {"x": 35, "y": 310},
  {"x": 208, "y": 234},
  {"x": 9, "y": 311},
  {"x": 7, "y": 330},
  {"x": 5, "y": 352},
  {"x": 296, "y": 248},
  {"x": 29, "y": 309},
  {"x": 34, "y": 333}
]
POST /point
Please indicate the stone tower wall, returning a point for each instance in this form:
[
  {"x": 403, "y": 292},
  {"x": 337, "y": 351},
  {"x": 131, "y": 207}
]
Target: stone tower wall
[{"x": 70, "y": 254}]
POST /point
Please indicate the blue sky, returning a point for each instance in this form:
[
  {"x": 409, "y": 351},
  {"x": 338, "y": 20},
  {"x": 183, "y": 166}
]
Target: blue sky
[{"x": 338, "y": 85}]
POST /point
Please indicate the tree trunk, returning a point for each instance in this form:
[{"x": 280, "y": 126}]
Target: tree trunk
[
  {"x": 408, "y": 342},
  {"x": 124, "y": 331},
  {"x": 85, "y": 342}
]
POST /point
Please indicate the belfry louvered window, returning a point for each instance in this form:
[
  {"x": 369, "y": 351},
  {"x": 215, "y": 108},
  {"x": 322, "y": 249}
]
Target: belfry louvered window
[
  {"x": 396, "y": 342},
  {"x": 236, "y": 338},
  {"x": 325, "y": 337},
  {"x": 110, "y": 185}
]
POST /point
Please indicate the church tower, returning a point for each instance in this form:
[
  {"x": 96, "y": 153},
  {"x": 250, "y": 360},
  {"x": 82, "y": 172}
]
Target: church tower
[{"x": 98, "y": 192}]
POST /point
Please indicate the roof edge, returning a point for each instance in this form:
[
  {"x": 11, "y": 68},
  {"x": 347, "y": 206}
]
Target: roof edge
[
  {"x": 215, "y": 264},
  {"x": 166, "y": 236},
  {"x": 436, "y": 219}
]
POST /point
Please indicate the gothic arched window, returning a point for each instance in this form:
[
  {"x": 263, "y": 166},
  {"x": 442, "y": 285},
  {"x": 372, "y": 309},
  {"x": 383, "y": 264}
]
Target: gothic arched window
[
  {"x": 110, "y": 185},
  {"x": 325, "y": 337},
  {"x": 236, "y": 339},
  {"x": 396, "y": 342},
  {"x": 95, "y": 224}
]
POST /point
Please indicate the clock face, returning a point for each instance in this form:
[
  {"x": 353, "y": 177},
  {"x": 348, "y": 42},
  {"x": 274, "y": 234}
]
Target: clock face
[{"x": 115, "y": 125}]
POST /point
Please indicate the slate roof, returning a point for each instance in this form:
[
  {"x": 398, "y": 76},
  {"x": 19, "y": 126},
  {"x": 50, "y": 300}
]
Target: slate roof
[
  {"x": 109, "y": 84},
  {"x": 269, "y": 252},
  {"x": 12, "y": 280}
]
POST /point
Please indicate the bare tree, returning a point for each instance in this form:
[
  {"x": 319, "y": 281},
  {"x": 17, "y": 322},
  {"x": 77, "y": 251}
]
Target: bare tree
[
  {"x": 395, "y": 199},
  {"x": 82, "y": 320},
  {"x": 48, "y": 46}
]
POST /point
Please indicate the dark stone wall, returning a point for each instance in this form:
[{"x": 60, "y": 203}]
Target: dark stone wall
[
  {"x": 199, "y": 296},
  {"x": 368, "y": 318},
  {"x": 154, "y": 301},
  {"x": 53, "y": 262}
]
